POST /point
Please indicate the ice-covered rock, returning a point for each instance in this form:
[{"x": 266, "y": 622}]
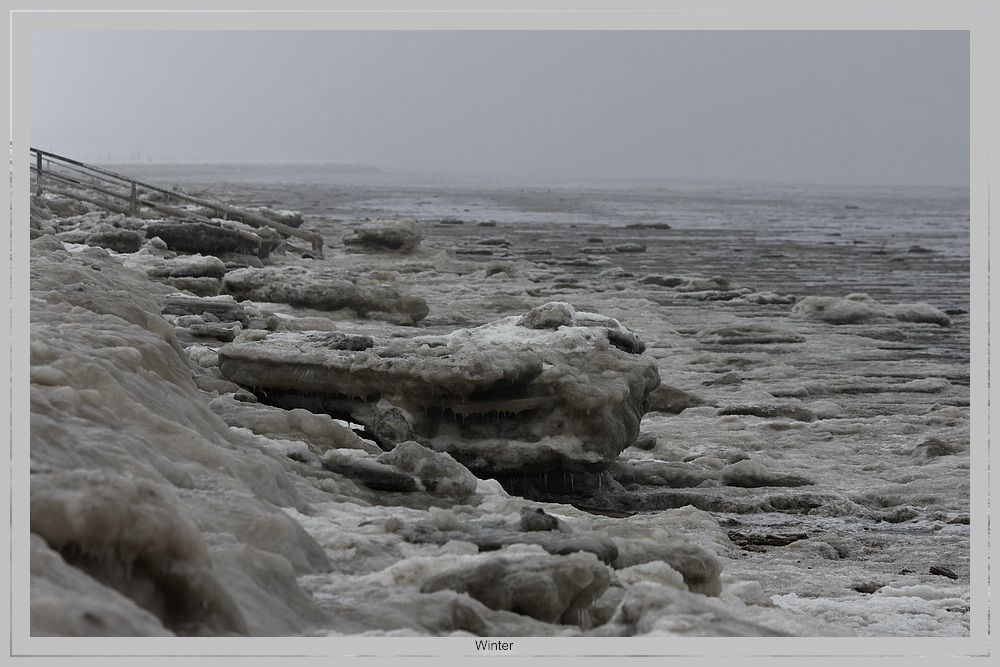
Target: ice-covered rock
[
  {"x": 369, "y": 471},
  {"x": 662, "y": 280},
  {"x": 222, "y": 308},
  {"x": 747, "y": 334},
  {"x": 659, "y": 473},
  {"x": 58, "y": 206},
  {"x": 550, "y": 588},
  {"x": 554, "y": 389},
  {"x": 190, "y": 266},
  {"x": 672, "y": 400},
  {"x": 408, "y": 467},
  {"x": 327, "y": 290},
  {"x": 752, "y": 474},
  {"x": 113, "y": 238},
  {"x": 214, "y": 238},
  {"x": 437, "y": 472},
  {"x": 699, "y": 568},
  {"x": 629, "y": 247},
  {"x": 650, "y": 608},
  {"x": 320, "y": 432},
  {"x": 212, "y": 316},
  {"x": 765, "y": 298},
  {"x": 770, "y": 412},
  {"x": 715, "y": 283},
  {"x": 537, "y": 519},
  {"x": 559, "y": 541},
  {"x": 494, "y": 241},
  {"x": 198, "y": 274},
  {"x": 385, "y": 235},
  {"x": 861, "y": 308}
]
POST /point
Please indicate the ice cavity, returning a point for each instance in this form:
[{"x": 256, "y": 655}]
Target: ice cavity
[
  {"x": 66, "y": 603},
  {"x": 555, "y": 389}
]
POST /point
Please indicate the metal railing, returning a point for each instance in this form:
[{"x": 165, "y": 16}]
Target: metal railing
[{"x": 121, "y": 194}]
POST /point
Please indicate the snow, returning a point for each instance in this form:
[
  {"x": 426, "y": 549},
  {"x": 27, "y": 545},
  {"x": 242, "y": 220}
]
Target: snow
[
  {"x": 923, "y": 612},
  {"x": 145, "y": 485}
]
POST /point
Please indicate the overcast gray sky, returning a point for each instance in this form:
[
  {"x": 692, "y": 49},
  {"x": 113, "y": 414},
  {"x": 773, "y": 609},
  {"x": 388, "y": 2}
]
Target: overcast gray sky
[{"x": 859, "y": 107}]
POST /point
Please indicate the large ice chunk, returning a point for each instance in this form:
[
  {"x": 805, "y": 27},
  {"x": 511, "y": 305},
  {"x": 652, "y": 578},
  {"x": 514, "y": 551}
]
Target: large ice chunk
[
  {"x": 555, "y": 389},
  {"x": 331, "y": 291}
]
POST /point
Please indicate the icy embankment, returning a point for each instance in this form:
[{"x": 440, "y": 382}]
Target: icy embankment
[
  {"x": 137, "y": 484},
  {"x": 162, "y": 502}
]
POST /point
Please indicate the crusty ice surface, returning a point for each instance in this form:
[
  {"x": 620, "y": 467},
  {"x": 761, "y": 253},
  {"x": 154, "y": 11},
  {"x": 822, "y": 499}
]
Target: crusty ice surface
[{"x": 871, "y": 415}]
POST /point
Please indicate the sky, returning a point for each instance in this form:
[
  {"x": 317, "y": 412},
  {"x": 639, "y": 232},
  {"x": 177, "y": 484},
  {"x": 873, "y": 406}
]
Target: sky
[{"x": 836, "y": 107}]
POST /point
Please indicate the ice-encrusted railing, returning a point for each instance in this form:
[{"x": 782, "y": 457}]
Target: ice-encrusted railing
[{"x": 121, "y": 194}]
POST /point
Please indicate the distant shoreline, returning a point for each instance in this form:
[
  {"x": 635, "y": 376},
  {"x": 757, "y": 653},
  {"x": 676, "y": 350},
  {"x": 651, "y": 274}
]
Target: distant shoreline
[
  {"x": 344, "y": 166},
  {"x": 546, "y": 180}
]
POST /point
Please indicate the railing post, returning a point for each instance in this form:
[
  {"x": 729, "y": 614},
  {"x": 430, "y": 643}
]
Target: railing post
[
  {"x": 38, "y": 174},
  {"x": 133, "y": 203}
]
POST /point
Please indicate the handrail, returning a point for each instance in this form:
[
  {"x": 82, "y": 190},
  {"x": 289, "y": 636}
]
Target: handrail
[{"x": 226, "y": 210}]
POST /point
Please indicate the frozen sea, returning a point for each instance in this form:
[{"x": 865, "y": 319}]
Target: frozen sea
[{"x": 833, "y": 456}]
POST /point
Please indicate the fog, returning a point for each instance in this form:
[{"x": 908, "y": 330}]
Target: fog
[{"x": 853, "y": 107}]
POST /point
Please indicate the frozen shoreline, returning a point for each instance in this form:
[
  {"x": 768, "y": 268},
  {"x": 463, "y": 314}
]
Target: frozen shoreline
[{"x": 881, "y": 500}]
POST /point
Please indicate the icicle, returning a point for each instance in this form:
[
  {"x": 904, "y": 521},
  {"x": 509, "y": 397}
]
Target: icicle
[{"x": 571, "y": 487}]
